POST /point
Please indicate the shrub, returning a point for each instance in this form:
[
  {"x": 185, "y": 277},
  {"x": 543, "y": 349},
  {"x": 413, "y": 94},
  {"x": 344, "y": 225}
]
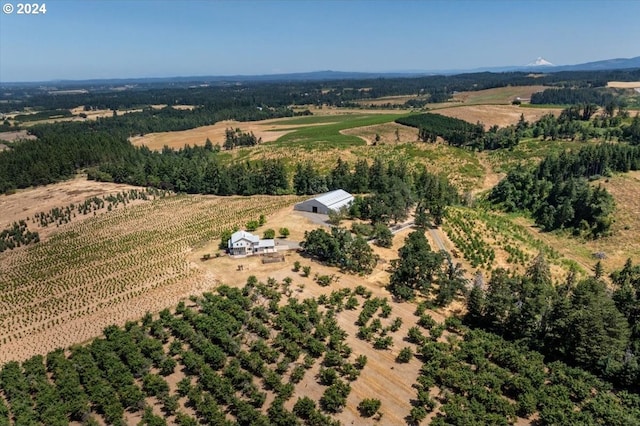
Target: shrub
[
  {"x": 396, "y": 324},
  {"x": 284, "y": 232},
  {"x": 361, "y": 361},
  {"x": 383, "y": 342},
  {"x": 324, "y": 280},
  {"x": 405, "y": 355},
  {"x": 368, "y": 407},
  {"x": 304, "y": 407},
  {"x": 306, "y": 270},
  {"x": 269, "y": 234}
]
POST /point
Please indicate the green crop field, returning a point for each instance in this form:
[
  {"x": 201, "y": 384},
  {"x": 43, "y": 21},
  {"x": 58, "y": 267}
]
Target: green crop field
[{"x": 328, "y": 136}]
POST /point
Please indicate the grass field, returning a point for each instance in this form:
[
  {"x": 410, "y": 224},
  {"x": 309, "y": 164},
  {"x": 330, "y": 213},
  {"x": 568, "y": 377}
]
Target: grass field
[
  {"x": 329, "y": 136},
  {"x": 623, "y": 242},
  {"x": 498, "y": 95},
  {"x": 496, "y": 115},
  {"x": 529, "y": 152}
]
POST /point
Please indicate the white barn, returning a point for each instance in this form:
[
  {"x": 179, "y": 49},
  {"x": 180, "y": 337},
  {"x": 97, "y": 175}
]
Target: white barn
[
  {"x": 243, "y": 243},
  {"x": 330, "y": 201}
]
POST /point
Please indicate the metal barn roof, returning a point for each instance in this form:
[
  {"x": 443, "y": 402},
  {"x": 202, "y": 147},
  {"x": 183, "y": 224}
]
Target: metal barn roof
[{"x": 334, "y": 200}]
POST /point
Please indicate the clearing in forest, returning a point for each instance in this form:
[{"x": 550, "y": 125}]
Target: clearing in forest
[
  {"x": 498, "y": 95},
  {"x": 624, "y": 84},
  {"x": 496, "y": 115}
]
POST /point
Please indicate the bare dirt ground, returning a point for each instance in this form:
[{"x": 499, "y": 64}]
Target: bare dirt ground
[
  {"x": 498, "y": 115},
  {"x": 624, "y": 84},
  {"x": 13, "y": 136},
  {"x": 25, "y": 203}
]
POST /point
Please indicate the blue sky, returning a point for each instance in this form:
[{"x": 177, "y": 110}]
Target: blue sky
[{"x": 82, "y": 39}]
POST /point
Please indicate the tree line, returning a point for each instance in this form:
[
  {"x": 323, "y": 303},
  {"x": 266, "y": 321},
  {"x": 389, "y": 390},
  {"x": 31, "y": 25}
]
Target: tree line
[
  {"x": 63, "y": 148},
  {"x": 460, "y": 133},
  {"x": 557, "y": 193},
  {"x": 572, "y": 96},
  {"x": 279, "y": 94}
]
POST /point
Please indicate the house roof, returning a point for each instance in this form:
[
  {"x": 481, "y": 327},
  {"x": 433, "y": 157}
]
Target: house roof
[
  {"x": 266, "y": 243},
  {"x": 243, "y": 235},
  {"x": 335, "y": 199}
]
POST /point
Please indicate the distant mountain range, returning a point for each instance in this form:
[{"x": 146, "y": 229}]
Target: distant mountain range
[
  {"x": 542, "y": 65},
  {"x": 539, "y": 65}
]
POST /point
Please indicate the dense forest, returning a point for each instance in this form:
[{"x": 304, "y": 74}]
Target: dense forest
[
  {"x": 572, "y": 96},
  {"x": 279, "y": 94},
  {"x": 454, "y": 131},
  {"x": 459, "y": 133},
  {"x": 581, "y": 323}
]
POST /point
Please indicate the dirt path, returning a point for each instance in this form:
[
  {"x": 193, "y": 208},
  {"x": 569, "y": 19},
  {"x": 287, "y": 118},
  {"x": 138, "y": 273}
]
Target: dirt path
[
  {"x": 435, "y": 233},
  {"x": 491, "y": 178}
]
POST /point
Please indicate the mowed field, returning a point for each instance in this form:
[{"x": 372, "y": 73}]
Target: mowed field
[
  {"x": 268, "y": 130},
  {"x": 498, "y": 95},
  {"x": 496, "y": 115},
  {"x": 624, "y": 84},
  {"x": 111, "y": 268},
  {"x": 315, "y": 131}
]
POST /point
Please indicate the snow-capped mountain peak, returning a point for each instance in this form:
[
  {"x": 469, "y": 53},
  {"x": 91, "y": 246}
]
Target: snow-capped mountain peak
[{"x": 540, "y": 62}]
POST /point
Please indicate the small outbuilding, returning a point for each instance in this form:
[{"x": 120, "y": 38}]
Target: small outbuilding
[
  {"x": 243, "y": 243},
  {"x": 324, "y": 203}
]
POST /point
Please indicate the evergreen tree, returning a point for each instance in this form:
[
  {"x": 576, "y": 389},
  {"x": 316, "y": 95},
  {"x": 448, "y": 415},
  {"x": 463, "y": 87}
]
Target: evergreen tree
[{"x": 415, "y": 268}]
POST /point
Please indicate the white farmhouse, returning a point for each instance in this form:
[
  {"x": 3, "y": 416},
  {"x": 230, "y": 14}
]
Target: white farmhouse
[
  {"x": 243, "y": 243},
  {"x": 330, "y": 201}
]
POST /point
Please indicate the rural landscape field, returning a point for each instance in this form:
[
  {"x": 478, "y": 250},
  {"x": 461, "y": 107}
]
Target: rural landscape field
[{"x": 260, "y": 245}]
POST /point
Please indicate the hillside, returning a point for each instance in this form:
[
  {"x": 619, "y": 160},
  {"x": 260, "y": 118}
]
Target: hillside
[{"x": 485, "y": 274}]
